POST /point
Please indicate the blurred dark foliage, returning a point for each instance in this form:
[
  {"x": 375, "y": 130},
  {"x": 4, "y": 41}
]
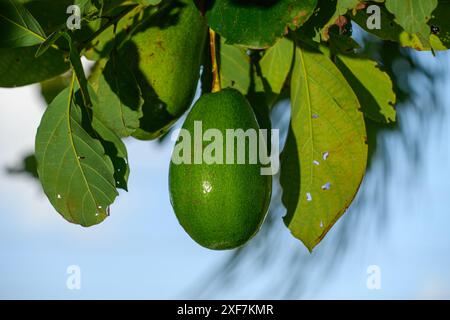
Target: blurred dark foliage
[{"x": 27, "y": 166}]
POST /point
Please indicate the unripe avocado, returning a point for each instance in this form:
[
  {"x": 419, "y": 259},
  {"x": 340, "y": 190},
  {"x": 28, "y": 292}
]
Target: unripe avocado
[
  {"x": 221, "y": 206},
  {"x": 168, "y": 50}
]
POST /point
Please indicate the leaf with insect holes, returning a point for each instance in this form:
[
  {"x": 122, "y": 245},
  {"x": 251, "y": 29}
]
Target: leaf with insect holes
[
  {"x": 325, "y": 156},
  {"x": 114, "y": 147},
  {"x": 76, "y": 160}
]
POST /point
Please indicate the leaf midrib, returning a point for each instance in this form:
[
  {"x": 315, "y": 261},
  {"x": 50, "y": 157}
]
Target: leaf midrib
[
  {"x": 311, "y": 130},
  {"x": 72, "y": 144}
]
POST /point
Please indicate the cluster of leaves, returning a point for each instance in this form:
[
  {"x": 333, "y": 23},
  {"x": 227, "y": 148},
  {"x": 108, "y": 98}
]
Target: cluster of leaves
[
  {"x": 269, "y": 50},
  {"x": 269, "y": 250}
]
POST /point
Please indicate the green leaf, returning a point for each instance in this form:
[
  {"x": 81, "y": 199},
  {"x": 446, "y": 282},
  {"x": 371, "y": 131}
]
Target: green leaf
[
  {"x": 319, "y": 21},
  {"x": 120, "y": 98},
  {"x": 276, "y": 64},
  {"x": 52, "y": 87},
  {"x": 76, "y": 173},
  {"x": 343, "y": 6},
  {"x": 18, "y": 27},
  {"x": 116, "y": 150},
  {"x": 129, "y": 17},
  {"x": 329, "y": 15},
  {"x": 373, "y": 87},
  {"x": 114, "y": 147},
  {"x": 325, "y": 156},
  {"x": 412, "y": 15},
  {"x": 95, "y": 73},
  {"x": 341, "y": 43},
  {"x": 51, "y": 14},
  {"x": 235, "y": 67},
  {"x": 389, "y": 30},
  {"x": 148, "y": 2},
  {"x": 257, "y": 24},
  {"x": 238, "y": 71},
  {"x": 19, "y": 67},
  {"x": 89, "y": 6}
]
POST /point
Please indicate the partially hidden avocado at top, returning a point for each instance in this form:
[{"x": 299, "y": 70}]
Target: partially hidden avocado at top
[
  {"x": 166, "y": 52},
  {"x": 220, "y": 204}
]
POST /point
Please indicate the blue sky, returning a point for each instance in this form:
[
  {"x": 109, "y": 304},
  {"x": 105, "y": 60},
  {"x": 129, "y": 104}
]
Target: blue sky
[{"x": 140, "y": 251}]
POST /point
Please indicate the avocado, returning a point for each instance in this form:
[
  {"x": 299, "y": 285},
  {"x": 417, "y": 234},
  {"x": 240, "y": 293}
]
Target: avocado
[
  {"x": 220, "y": 205},
  {"x": 166, "y": 52}
]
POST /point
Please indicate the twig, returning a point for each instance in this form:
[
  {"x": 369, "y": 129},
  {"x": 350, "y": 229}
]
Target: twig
[{"x": 215, "y": 69}]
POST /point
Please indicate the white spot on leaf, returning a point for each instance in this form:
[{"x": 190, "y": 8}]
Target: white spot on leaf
[
  {"x": 326, "y": 186},
  {"x": 207, "y": 187},
  {"x": 308, "y": 196},
  {"x": 325, "y": 155}
]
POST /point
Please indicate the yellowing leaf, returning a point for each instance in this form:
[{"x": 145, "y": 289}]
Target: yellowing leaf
[{"x": 325, "y": 156}]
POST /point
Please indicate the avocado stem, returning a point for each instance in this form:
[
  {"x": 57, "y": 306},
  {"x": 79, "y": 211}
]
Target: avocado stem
[{"x": 215, "y": 69}]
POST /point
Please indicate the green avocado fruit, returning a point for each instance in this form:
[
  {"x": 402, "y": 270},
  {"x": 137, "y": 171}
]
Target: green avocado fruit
[
  {"x": 166, "y": 52},
  {"x": 221, "y": 206}
]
